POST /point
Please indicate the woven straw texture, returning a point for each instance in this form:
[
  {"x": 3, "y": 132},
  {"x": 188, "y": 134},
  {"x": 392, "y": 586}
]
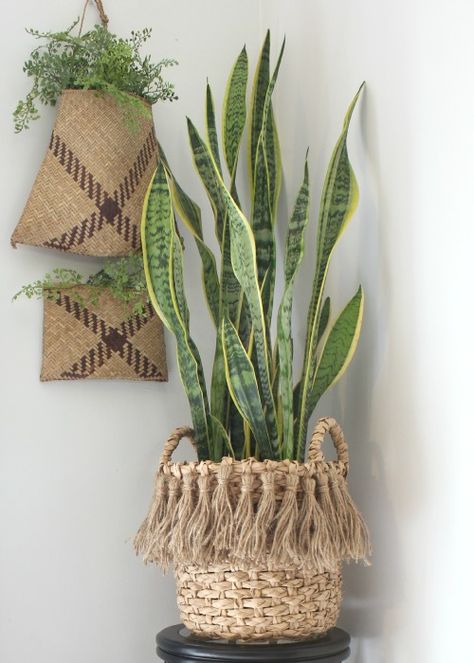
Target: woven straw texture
[
  {"x": 84, "y": 339},
  {"x": 88, "y": 195},
  {"x": 281, "y": 528},
  {"x": 257, "y": 604}
]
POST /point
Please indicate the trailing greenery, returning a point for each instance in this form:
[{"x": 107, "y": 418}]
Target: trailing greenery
[
  {"x": 124, "y": 278},
  {"x": 96, "y": 60},
  {"x": 253, "y": 406}
]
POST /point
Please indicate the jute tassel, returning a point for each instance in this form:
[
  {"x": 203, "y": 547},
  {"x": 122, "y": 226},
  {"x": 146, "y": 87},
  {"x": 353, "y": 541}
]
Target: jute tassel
[
  {"x": 159, "y": 547},
  {"x": 223, "y": 513},
  {"x": 313, "y": 537},
  {"x": 180, "y": 545},
  {"x": 245, "y": 517},
  {"x": 357, "y": 537},
  {"x": 331, "y": 518},
  {"x": 340, "y": 508},
  {"x": 265, "y": 513},
  {"x": 199, "y": 533},
  {"x": 156, "y": 514},
  {"x": 285, "y": 545}
]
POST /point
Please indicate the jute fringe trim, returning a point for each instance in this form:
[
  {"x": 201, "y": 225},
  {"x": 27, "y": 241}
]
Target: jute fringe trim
[{"x": 253, "y": 513}]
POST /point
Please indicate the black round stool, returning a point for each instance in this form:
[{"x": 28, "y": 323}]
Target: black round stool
[{"x": 176, "y": 644}]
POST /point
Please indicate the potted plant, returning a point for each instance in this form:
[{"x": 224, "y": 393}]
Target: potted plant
[
  {"x": 99, "y": 327},
  {"x": 255, "y": 534},
  {"x": 88, "y": 194}
]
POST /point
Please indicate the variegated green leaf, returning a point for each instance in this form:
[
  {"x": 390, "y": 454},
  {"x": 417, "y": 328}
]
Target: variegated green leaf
[
  {"x": 339, "y": 348},
  {"x": 219, "y": 392},
  {"x": 259, "y": 91},
  {"x": 245, "y": 269},
  {"x": 267, "y": 172},
  {"x": 221, "y": 440},
  {"x": 159, "y": 244},
  {"x": 262, "y": 221},
  {"x": 293, "y": 257},
  {"x": 338, "y": 202},
  {"x": 273, "y": 159},
  {"x": 243, "y": 258},
  {"x": 207, "y": 169},
  {"x": 231, "y": 292},
  {"x": 211, "y": 128},
  {"x": 243, "y": 387},
  {"x": 324, "y": 319},
  {"x": 234, "y": 111},
  {"x": 179, "y": 281},
  {"x": 209, "y": 174},
  {"x": 190, "y": 213}
]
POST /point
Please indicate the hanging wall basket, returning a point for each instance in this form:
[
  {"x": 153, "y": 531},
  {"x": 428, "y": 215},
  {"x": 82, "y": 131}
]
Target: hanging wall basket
[
  {"x": 88, "y": 195},
  {"x": 86, "y": 336},
  {"x": 256, "y": 546}
]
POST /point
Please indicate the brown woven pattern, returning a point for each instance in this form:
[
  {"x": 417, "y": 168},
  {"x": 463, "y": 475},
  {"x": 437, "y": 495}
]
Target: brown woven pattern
[
  {"x": 83, "y": 339},
  {"x": 257, "y": 604},
  {"x": 89, "y": 192}
]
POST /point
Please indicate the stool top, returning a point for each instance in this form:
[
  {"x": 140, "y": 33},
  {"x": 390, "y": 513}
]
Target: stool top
[{"x": 177, "y": 642}]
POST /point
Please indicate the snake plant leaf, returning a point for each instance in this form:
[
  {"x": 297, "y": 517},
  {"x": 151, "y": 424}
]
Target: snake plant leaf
[
  {"x": 266, "y": 179},
  {"x": 243, "y": 387},
  {"x": 259, "y": 91},
  {"x": 219, "y": 394},
  {"x": 219, "y": 435},
  {"x": 231, "y": 292},
  {"x": 190, "y": 213},
  {"x": 209, "y": 173},
  {"x": 273, "y": 159},
  {"x": 262, "y": 221},
  {"x": 211, "y": 128},
  {"x": 293, "y": 257},
  {"x": 339, "y": 200},
  {"x": 243, "y": 260},
  {"x": 269, "y": 137},
  {"x": 159, "y": 244},
  {"x": 324, "y": 319},
  {"x": 235, "y": 111},
  {"x": 178, "y": 281},
  {"x": 339, "y": 348}
]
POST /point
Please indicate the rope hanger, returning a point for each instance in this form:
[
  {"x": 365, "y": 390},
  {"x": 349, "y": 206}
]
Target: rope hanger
[{"x": 104, "y": 19}]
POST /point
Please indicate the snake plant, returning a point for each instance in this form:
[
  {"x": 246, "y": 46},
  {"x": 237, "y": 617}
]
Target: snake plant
[{"x": 252, "y": 405}]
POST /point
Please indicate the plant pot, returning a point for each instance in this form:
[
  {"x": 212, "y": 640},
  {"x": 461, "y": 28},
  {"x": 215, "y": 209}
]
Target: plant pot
[
  {"x": 91, "y": 336},
  {"x": 88, "y": 195},
  {"x": 256, "y": 546}
]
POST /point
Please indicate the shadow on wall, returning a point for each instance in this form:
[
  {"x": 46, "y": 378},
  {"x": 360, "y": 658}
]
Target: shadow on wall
[{"x": 379, "y": 386}]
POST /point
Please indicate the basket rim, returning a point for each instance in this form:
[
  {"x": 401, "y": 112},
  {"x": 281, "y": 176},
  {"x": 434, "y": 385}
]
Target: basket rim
[
  {"x": 95, "y": 92},
  {"x": 251, "y": 466}
]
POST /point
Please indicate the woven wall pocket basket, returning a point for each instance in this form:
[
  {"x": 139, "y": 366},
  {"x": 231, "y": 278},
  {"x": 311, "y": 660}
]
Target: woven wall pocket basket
[
  {"x": 85, "y": 336},
  {"x": 88, "y": 195},
  {"x": 256, "y": 546}
]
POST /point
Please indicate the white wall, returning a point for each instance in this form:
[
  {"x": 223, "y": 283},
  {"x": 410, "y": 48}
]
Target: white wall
[{"x": 77, "y": 459}]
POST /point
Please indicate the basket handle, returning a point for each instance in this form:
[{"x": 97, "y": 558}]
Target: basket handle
[
  {"x": 104, "y": 19},
  {"x": 174, "y": 439},
  {"x": 327, "y": 425}
]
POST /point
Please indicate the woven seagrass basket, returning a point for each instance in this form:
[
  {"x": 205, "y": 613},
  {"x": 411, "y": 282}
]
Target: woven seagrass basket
[
  {"x": 256, "y": 546},
  {"x": 88, "y": 195},
  {"x": 90, "y": 336}
]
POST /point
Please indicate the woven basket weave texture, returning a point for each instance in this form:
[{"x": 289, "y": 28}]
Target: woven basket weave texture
[
  {"x": 256, "y": 545},
  {"x": 257, "y": 604},
  {"x": 84, "y": 338},
  {"x": 89, "y": 192}
]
